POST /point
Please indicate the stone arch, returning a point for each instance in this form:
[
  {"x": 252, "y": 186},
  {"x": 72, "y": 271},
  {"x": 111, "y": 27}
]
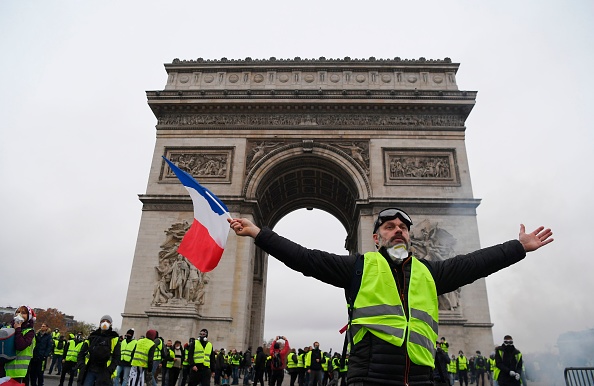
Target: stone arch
[{"x": 323, "y": 177}]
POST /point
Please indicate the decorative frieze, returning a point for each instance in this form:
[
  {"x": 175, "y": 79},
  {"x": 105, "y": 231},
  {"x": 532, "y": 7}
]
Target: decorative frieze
[
  {"x": 204, "y": 164},
  {"x": 359, "y": 120},
  {"x": 421, "y": 167}
]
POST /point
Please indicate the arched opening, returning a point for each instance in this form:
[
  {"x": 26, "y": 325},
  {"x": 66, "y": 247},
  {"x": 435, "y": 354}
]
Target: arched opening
[{"x": 302, "y": 308}]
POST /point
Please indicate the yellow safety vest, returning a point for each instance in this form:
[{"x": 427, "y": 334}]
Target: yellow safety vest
[
  {"x": 158, "y": 349},
  {"x": 493, "y": 368},
  {"x": 452, "y": 366},
  {"x": 73, "y": 350},
  {"x": 291, "y": 361},
  {"x": 126, "y": 349},
  {"x": 202, "y": 354},
  {"x": 171, "y": 359},
  {"x": 381, "y": 313},
  {"x": 325, "y": 361},
  {"x": 300, "y": 360},
  {"x": 462, "y": 363},
  {"x": 17, "y": 368},
  {"x": 141, "y": 353},
  {"x": 59, "y": 351}
]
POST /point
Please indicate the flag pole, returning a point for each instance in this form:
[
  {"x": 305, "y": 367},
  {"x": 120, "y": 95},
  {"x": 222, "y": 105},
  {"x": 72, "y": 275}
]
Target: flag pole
[{"x": 217, "y": 202}]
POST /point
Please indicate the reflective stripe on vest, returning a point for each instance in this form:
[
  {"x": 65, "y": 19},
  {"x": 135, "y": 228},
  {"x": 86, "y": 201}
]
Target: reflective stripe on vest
[
  {"x": 126, "y": 349},
  {"x": 380, "y": 312},
  {"x": 462, "y": 363},
  {"x": 17, "y": 368},
  {"x": 325, "y": 362},
  {"x": 73, "y": 350},
  {"x": 157, "y": 355},
  {"x": 141, "y": 353},
  {"x": 171, "y": 359},
  {"x": 202, "y": 354}
]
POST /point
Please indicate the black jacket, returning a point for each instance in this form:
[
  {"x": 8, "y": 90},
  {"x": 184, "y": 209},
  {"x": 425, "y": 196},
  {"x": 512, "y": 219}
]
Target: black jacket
[
  {"x": 506, "y": 361},
  {"x": 372, "y": 360}
]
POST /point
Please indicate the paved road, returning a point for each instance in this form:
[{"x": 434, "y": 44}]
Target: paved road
[{"x": 54, "y": 380}]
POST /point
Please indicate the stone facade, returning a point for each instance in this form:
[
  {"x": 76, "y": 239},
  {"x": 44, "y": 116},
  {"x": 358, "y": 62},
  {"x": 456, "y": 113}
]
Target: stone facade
[{"x": 270, "y": 136}]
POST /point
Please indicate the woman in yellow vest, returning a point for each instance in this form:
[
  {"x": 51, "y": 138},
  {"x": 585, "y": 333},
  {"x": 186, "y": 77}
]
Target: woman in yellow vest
[
  {"x": 24, "y": 343},
  {"x": 394, "y": 308}
]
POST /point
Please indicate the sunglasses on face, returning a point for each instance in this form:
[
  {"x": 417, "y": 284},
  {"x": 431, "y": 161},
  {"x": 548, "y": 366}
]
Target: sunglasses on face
[{"x": 391, "y": 214}]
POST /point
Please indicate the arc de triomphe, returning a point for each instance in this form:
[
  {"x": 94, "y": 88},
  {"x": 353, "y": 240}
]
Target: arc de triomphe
[{"x": 349, "y": 137}]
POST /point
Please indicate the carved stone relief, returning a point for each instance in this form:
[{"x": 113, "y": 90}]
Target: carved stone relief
[
  {"x": 390, "y": 120},
  {"x": 205, "y": 164},
  {"x": 358, "y": 151},
  {"x": 409, "y": 167},
  {"x": 433, "y": 243},
  {"x": 178, "y": 281},
  {"x": 257, "y": 150}
]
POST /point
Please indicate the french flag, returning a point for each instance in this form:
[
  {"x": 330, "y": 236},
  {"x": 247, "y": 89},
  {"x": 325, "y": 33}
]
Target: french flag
[
  {"x": 204, "y": 242},
  {"x": 7, "y": 381}
]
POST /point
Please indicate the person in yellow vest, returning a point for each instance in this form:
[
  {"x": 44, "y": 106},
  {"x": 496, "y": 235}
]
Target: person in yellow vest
[
  {"x": 167, "y": 360},
  {"x": 313, "y": 365},
  {"x": 344, "y": 369},
  {"x": 127, "y": 346},
  {"x": 99, "y": 355},
  {"x": 24, "y": 343},
  {"x": 220, "y": 360},
  {"x": 176, "y": 365},
  {"x": 301, "y": 367},
  {"x": 480, "y": 364},
  {"x": 445, "y": 346},
  {"x": 200, "y": 356},
  {"x": 462, "y": 368},
  {"x": 335, "y": 365},
  {"x": 157, "y": 357},
  {"x": 393, "y": 334},
  {"x": 55, "y": 339},
  {"x": 452, "y": 370},
  {"x": 142, "y": 360},
  {"x": 509, "y": 362},
  {"x": 326, "y": 368},
  {"x": 58, "y": 355},
  {"x": 292, "y": 368},
  {"x": 491, "y": 370},
  {"x": 71, "y": 350}
]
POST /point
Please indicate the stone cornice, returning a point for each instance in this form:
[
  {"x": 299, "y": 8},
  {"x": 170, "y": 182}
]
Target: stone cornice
[{"x": 322, "y": 61}]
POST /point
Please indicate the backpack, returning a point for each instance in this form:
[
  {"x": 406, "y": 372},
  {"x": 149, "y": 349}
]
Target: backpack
[
  {"x": 479, "y": 362},
  {"x": 277, "y": 361},
  {"x": 100, "y": 350}
]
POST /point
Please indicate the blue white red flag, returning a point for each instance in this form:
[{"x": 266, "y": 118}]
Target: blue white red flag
[{"x": 204, "y": 242}]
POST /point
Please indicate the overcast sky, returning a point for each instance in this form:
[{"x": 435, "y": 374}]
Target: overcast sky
[{"x": 77, "y": 139}]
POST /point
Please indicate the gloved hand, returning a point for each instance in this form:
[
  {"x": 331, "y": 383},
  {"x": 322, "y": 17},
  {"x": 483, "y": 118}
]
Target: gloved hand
[
  {"x": 512, "y": 373},
  {"x": 517, "y": 377}
]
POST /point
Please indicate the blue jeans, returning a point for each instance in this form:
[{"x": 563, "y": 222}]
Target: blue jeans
[
  {"x": 155, "y": 367},
  {"x": 90, "y": 378},
  {"x": 126, "y": 371}
]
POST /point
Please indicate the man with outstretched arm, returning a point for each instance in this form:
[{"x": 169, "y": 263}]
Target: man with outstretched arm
[{"x": 393, "y": 335}]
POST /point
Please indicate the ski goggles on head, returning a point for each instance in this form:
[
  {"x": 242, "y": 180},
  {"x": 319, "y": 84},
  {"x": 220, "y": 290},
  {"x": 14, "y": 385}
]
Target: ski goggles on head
[{"x": 391, "y": 214}]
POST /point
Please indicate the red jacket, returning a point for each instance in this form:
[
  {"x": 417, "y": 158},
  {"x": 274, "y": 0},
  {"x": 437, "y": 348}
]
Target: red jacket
[{"x": 283, "y": 353}]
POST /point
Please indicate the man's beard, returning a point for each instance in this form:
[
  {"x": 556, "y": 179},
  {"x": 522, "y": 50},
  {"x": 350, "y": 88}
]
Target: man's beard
[{"x": 393, "y": 241}]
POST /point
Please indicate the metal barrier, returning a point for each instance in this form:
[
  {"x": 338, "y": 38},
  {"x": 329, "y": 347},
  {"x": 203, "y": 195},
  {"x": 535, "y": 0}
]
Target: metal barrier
[{"x": 579, "y": 376}]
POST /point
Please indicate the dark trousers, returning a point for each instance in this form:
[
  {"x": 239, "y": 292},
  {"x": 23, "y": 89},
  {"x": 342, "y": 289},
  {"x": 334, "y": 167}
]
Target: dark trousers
[
  {"x": 276, "y": 378},
  {"x": 259, "y": 377},
  {"x": 480, "y": 378},
  {"x": 463, "y": 377},
  {"x": 185, "y": 372},
  {"x": 68, "y": 368},
  {"x": 174, "y": 375},
  {"x": 294, "y": 373},
  {"x": 200, "y": 377},
  {"x": 36, "y": 367}
]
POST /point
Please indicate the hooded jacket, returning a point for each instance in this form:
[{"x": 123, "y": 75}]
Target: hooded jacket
[{"x": 372, "y": 360}]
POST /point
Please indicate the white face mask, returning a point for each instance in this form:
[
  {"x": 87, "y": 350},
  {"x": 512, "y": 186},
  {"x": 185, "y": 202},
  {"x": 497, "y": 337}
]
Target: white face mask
[
  {"x": 398, "y": 253},
  {"x": 105, "y": 326},
  {"x": 18, "y": 318}
]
